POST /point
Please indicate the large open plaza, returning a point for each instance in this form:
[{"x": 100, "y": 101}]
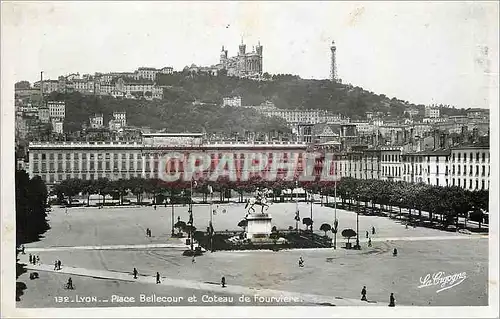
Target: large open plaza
[{"x": 99, "y": 249}]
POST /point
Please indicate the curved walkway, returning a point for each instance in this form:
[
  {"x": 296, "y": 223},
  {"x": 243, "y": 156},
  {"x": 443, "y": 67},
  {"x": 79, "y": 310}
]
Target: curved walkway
[
  {"x": 206, "y": 286},
  {"x": 181, "y": 245}
]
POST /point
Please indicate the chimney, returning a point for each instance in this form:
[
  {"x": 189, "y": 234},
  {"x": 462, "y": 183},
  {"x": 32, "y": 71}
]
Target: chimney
[
  {"x": 475, "y": 135},
  {"x": 446, "y": 140},
  {"x": 435, "y": 139},
  {"x": 399, "y": 137},
  {"x": 464, "y": 134},
  {"x": 442, "y": 140}
]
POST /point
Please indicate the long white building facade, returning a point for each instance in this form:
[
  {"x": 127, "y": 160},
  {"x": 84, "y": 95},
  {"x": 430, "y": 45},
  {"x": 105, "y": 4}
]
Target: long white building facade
[{"x": 466, "y": 166}]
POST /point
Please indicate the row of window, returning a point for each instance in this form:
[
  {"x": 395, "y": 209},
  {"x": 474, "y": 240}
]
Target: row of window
[
  {"x": 391, "y": 158},
  {"x": 408, "y": 169},
  {"x": 471, "y": 156},
  {"x": 91, "y": 165},
  {"x": 471, "y": 170},
  {"x": 55, "y": 178},
  {"x": 391, "y": 171},
  {"x": 473, "y": 184},
  {"x": 386, "y": 158},
  {"x": 84, "y": 156}
]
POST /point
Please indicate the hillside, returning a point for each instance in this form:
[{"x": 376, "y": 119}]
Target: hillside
[
  {"x": 287, "y": 91},
  {"x": 177, "y": 113},
  {"x": 174, "y": 115}
]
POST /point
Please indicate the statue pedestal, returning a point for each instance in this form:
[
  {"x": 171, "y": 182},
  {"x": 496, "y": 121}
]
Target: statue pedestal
[{"x": 259, "y": 226}]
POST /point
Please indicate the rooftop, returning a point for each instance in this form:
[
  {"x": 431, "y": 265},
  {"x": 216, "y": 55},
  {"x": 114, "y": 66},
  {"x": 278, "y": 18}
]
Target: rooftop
[
  {"x": 482, "y": 144},
  {"x": 436, "y": 152},
  {"x": 172, "y": 134}
]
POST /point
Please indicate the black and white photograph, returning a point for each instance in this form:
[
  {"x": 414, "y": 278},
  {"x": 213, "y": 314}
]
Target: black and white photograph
[{"x": 249, "y": 159}]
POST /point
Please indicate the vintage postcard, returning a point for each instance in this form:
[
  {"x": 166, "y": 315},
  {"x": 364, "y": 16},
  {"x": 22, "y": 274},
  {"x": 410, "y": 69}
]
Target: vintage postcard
[{"x": 249, "y": 159}]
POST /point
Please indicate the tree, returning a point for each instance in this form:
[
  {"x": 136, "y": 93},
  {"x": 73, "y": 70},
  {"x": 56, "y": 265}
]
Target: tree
[
  {"x": 103, "y": 186},
  {"x": 153, "y": 186},
  {"x": 308, "y": 222},
  {"x": 243, "y": 224},
  {"x": 89, "y": 188},
  {"x": 121, "y": 188},
  {"x": 348, "y": 233},
  {"x": 22, "y": 85},
  {"x": 69, "y": 188},
  {"x": 31, "y": 200},
  {"x": 325, "y": 227},
  {"x": 137, "y": 187}
]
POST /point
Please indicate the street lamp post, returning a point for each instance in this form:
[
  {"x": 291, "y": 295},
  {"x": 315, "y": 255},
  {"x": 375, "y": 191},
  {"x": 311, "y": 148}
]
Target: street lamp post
[
  {"x": 311, "y": 210},
  {"x": 336, "y": 221},
  {"x": 170, "y": 201},
  {"x": 211, "y": 224},
  {"x": 191, "y": 221},
  {"x": 357, "y": 229},
  {"x": 297, "y": 215}
]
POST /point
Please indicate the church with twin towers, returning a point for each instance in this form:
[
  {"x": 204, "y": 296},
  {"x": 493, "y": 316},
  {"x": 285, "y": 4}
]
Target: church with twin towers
[{"x": 245, "y": 64}]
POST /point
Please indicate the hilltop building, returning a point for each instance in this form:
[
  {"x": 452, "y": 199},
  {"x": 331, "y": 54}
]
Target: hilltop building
[{"x": 245, "y": 64}]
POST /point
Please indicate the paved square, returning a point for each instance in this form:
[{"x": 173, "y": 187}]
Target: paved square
[{"x": 87, "y": 241}]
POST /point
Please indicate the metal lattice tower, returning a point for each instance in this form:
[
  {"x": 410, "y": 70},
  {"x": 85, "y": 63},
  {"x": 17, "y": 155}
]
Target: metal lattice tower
[{"x": 333, "y": 63}]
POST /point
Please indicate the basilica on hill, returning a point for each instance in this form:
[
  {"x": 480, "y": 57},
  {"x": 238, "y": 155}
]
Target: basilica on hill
[{"x": 245, "y": 64}]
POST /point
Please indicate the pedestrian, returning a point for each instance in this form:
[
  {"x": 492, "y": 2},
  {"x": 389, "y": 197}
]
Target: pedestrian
[
  {"x": 223, "y": 282},
  {"x": 373, "y": 230},
  {"x": 301, "y": 262},
  {"x": 395, "y": 252},
  {"x": 147, "y": 232},
  {"x": 367, "y": 234},
  {"x": 22, "y": 250},
  {"x": 59, "y": 264},
  {"x": 155, "y": 207},
  {"x": 369, "y": 242},
  {"x": 31, "y": 259},
  {"x": 193, "y": 261},
  {"x": 150, "y": 233},
  {"x": 363, "y": 293},
  {"x": 158, "y": 278},
  {"x": 55, "y": 265},
  {"x": 135, "y": 273},
  {"x": 69, "y": 285},
  {"x": 406, "y": 225},
  {"x": 66, "y": 211},
  {"x": 392, "y": 300}
]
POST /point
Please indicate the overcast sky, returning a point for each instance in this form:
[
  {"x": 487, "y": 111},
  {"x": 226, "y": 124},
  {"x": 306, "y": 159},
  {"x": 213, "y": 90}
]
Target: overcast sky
[{"x": 421, "y": 52}]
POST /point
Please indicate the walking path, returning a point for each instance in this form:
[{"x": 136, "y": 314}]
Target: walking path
[
  {"x": 206, "y": 286},
  {"x": 181, "y": 245},
  {"x": 106, "y": 247}
]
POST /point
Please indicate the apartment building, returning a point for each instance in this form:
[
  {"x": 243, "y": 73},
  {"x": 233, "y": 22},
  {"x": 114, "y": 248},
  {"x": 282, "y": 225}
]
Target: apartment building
[
  {"x": 432, "y": 112},
  {"x": 57, "y": 109},
  {"x": 470, "y": 166},
  {"x": 430, "y": 167},
  {"x": 44, "y": 114},
  {"x": 96, "y": 121},
  {"x": 233, "y": 101},
  {"x": 371, "y": 164},
  {"x": 55, "y": 162},
  {"x": 390, "y": 163}
]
